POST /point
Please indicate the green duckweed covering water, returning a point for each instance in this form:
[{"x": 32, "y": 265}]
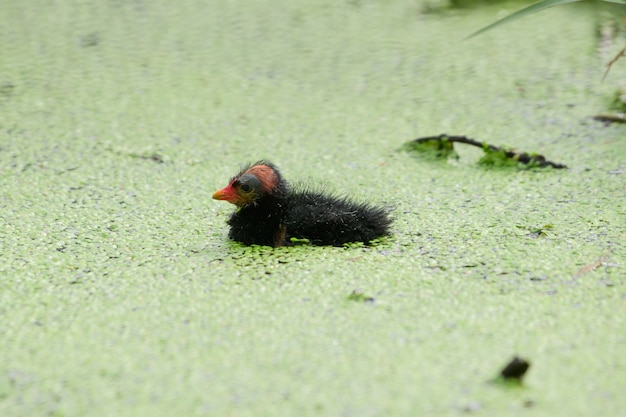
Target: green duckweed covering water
[{"x": 121, "y": 295}]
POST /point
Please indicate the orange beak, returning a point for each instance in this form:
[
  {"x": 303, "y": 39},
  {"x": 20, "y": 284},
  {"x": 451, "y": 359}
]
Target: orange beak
[{"x": 228, "y": 193}]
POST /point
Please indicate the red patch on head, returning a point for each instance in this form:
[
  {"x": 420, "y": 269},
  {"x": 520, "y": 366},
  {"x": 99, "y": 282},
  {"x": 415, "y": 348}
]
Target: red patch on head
[{"x": 266, "y": 175}]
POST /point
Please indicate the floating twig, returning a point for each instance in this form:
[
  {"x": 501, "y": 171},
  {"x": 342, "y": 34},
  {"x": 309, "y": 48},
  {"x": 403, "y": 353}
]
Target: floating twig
[
  {"x": 443, "y": 147},
  {"x": 610, "y": 118},
  {"x": 591, "y": 267},
  {"x": 613, "y": 61}
]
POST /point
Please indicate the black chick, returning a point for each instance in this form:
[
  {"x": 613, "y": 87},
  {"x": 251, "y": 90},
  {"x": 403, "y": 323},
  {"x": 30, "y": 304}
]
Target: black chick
[{"x": 271, "y": 213}]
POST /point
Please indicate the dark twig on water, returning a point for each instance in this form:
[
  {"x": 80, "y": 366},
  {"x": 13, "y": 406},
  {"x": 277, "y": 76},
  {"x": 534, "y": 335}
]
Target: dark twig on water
[
  {"x": 610, "y": 118},
  {"x": 534, "y": 160},
  {"x": 613, "y": 61}
]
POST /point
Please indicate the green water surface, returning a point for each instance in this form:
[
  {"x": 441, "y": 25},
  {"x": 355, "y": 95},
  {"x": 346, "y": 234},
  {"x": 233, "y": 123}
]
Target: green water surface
[{"x": 120, "y": 294}]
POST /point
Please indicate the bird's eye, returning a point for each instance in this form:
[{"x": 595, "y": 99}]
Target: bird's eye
[{"x": 248, "y": 184}]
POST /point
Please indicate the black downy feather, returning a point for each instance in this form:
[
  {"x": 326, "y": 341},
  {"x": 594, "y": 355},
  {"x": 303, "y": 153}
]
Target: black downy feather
[{"x": 273, "y": 219}]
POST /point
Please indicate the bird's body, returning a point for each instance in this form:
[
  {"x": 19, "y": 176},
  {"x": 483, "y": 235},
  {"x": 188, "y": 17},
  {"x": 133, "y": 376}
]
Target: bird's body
[{"x": 274, "y": 214}]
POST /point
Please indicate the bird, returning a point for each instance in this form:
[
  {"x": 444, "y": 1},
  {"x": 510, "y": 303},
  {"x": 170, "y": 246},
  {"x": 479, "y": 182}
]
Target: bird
[{"x": 271, "y": 212}]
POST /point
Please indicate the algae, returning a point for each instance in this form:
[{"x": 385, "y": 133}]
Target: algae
[{"x": 121, "y": 294}]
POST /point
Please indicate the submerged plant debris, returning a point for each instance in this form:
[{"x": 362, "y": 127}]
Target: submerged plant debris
[
  {"x": 357, "y": 295},
  {"x": 438, "y": 147},
  {"x": 442, "y": 147}
]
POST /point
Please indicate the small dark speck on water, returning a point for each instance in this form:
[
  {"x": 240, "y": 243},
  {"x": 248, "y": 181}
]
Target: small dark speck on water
[
  {"x": 515, "y": 369},
  {"x": 90, "y": 39}
]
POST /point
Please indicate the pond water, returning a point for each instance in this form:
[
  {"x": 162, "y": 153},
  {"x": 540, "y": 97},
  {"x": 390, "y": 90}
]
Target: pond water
[{"x": 121, "y": 294}]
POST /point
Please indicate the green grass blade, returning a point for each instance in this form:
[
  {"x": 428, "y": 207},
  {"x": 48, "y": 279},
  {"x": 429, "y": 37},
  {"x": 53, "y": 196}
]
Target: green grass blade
[{"x": 534, "y": 8}]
